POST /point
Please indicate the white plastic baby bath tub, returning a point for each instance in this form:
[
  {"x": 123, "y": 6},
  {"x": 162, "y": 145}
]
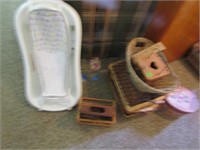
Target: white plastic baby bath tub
[{"x": 49, "y": 34}]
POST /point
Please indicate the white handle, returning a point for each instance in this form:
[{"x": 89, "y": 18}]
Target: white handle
[{"x": 45, "y": 4}]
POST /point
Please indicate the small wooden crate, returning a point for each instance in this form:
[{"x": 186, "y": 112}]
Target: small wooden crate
[
  {"x": 96, "y": 112},
  {"x": 150, "y": 63}
]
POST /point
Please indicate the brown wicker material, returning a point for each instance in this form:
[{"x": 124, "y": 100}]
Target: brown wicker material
[
  {"x": 193, "y": 57},
  {"x": 163, "y": 85},
  {"x": 130, "y": 98}
]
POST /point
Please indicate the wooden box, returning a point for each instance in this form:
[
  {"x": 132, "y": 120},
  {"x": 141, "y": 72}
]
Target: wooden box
[{"x": 94, "y": 111}]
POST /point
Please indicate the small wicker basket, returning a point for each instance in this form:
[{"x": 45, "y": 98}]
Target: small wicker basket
[{"x": 163, "y": 85}]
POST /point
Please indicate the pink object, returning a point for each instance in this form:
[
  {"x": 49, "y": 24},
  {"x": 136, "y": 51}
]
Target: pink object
[
  {"x": 183, "y": 100},
  {"x": 152, "y": 67},
  {"x": 95, "y": 64}
]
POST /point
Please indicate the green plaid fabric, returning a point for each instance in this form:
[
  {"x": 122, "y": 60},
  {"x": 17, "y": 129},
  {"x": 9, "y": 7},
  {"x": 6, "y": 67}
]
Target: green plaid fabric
[{"x": 106, "y": 31}]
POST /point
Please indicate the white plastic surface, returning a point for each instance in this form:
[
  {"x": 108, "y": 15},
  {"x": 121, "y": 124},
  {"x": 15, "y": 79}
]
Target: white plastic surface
[{"x": 51, "y": 57}]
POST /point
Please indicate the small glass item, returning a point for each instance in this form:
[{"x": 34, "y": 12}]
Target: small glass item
[{"x": 95, "y": 64}]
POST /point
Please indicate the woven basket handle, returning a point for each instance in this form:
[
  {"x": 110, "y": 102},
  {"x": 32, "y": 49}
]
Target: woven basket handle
[{"x": 154, "y": 106}]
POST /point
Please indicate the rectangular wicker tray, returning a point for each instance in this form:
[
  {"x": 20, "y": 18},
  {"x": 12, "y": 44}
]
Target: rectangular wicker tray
[{"x": 130, "y": 99}]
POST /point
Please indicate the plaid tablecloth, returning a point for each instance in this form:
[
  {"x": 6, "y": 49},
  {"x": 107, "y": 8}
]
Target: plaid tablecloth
[{"x": 108, "y": 27}]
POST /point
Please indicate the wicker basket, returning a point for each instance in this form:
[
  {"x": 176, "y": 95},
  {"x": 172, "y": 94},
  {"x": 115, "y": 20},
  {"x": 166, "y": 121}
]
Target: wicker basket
[
  {"x": 163, "y": 85},
  {"x": 192, "y": 57},
  {"x": 129, "y": 97}
]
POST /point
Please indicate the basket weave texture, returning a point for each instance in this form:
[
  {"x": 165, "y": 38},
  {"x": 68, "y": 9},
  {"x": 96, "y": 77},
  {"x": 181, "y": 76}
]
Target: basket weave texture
[
  {"x": 193, "y": 57},
  {"x": 129, "y": 97}
]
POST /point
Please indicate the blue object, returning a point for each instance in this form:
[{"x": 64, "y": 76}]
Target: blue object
[
  {"x": 84, "y": 77},
  {"x": 95, "y": 77}
]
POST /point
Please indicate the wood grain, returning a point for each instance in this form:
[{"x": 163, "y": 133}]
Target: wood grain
[{"x": 176, "y": 24}]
